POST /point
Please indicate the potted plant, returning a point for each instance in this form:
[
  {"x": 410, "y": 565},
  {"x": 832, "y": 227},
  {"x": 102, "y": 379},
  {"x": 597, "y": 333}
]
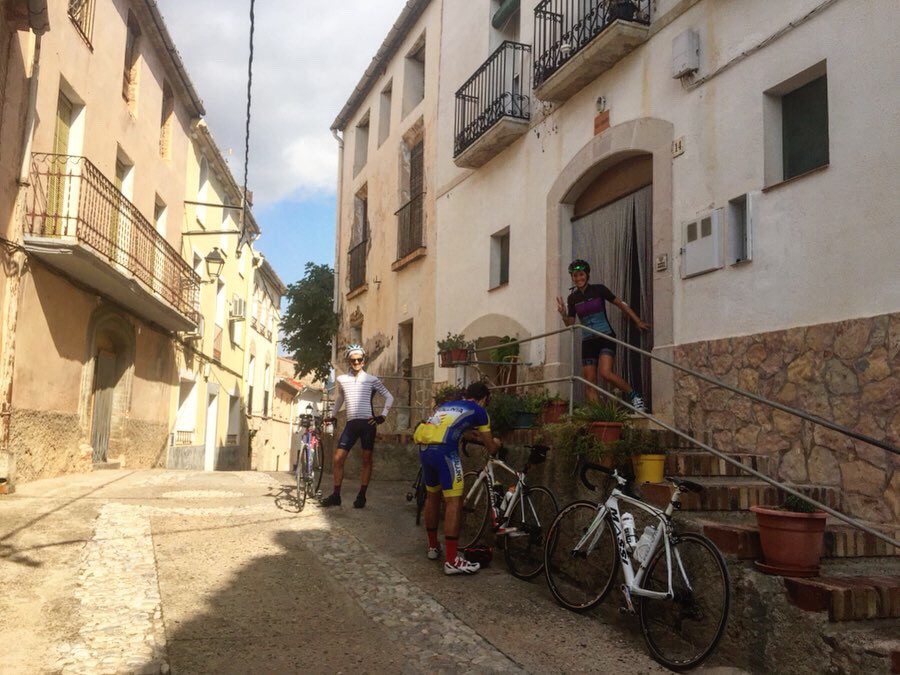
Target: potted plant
[
  {"x": 453, "y": 349},
  {"x": 605, "y": 419},
  {"x": 530, "y": 406},
  {"x": 507, "y": 356},
  {"x": 791, "y": 537},
  {"x": 448, "y": 393},
  {"x": 555, "y": 407},
  {"x": 647, "y": 456},
  {"x": 503, "y": 410},
  {"x": 622, "y": 9}
]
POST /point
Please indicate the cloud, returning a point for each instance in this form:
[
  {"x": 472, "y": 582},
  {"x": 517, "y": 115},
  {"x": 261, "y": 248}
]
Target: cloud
[{"x": 308, "y": 57}]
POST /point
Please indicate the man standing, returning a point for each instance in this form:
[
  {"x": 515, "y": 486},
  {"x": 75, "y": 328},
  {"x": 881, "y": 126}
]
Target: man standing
[
  {"x": 442, "y": 469},
  {"x": 357, "y": 388}
]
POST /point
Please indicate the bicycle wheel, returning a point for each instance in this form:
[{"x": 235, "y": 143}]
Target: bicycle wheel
[
  {"x": 302, "y": 478},
  {"x": 580, "y": 576},
  {"x": 532, "y": 517},
  {"x": 475, "y": 512},
  {"x": 681, "y": 633}
]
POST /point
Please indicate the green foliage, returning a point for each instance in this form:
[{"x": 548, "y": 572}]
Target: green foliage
[
  {"x": 640, "y": 442},
  {"x": 310, "y": 323},
  {"x": 503, "y": 409},
  {"x": 452, "y": 341},
  {"x": 797, "y": 505},
  {"x": 448, "y": 393},
  {"x": 532, "y": 403},
  {"x": 504, "y": 352},
  {"x": 575, "y": 439},
  {"x": 606, "y": 410}
]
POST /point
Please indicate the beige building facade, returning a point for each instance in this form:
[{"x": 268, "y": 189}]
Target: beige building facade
[
  {"x": 104, "y": 290},
  {"x": 725, "y": 167},
  {"x": 387, "y": 231}
]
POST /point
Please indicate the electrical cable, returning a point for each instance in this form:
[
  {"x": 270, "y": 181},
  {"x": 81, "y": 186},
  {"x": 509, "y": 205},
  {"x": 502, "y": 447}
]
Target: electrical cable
[{"x": 247, "y": 128}]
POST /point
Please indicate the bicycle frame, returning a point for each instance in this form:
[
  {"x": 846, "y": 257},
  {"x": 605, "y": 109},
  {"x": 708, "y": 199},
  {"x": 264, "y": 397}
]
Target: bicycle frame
[
  {"x": 518, "y": 496},
  {"x": 634, "y": 580}
]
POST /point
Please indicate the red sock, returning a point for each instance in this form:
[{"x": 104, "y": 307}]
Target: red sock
[
  {"x": 451, "y": 549},
  {"x": 432, "y": 538}
]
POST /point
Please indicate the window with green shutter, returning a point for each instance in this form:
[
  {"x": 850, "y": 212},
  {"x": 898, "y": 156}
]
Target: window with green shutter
[{"x": 804, "y": 125}]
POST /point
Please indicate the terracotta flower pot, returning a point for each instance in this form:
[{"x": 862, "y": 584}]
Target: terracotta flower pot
[
  {"x": 791, "y": 542},
  {"x": 606, "y": 432},
  {"x": 553, "y": 411},
  {"x": 459, "y": 355},
  {"x": 648, "y": 468},
  {"x": 446, "y": 360}
]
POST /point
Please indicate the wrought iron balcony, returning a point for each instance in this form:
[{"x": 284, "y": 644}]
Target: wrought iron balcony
[
  {"x": 410, "y": 226},
  {"x": 77, "y": 221},
  {"x": 357, "y": 256},
  {"x": 493, "y": 107},
  {"x": 577, "y": 40}
]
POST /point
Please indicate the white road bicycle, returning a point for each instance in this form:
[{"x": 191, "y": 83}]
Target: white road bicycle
[
  {"x": 310, "y": 460},
  {"x": 521, "y": 514},
  {"x": 681, "y": 589}
]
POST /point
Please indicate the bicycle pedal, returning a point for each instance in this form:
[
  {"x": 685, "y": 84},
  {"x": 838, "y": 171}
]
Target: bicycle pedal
[{"x": 624, "y": 611}]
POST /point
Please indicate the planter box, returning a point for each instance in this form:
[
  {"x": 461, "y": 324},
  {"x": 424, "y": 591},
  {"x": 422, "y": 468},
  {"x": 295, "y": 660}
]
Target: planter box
[
  {"x": 553, "y": 412},
  {"x": 525, "y": 420},
  {"x": 451, "y": 357},
  {"x": 606, "y": 432}
]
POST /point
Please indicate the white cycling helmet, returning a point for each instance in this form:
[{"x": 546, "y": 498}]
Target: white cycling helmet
[{"x": 353, "y": 348}]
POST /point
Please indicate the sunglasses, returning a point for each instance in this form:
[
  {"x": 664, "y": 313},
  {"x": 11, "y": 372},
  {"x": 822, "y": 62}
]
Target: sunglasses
[{"x": 357, "y": 360}]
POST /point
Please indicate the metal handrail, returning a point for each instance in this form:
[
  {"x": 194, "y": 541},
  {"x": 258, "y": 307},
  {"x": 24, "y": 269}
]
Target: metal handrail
[{"x": 704, "y": 446}]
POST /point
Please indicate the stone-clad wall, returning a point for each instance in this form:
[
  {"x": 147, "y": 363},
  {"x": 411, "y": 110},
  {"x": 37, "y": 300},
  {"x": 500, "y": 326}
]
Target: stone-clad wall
[{"x": 848, "y": 372}]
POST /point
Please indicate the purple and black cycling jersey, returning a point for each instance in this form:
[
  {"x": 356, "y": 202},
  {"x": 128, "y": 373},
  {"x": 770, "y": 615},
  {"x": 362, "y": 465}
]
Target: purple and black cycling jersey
[{"x": 589, "y": 306}]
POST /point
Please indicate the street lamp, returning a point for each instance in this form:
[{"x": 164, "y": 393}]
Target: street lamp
[
  {"x": 309, "y": 409},
  {"x": 215, "y": 261}
]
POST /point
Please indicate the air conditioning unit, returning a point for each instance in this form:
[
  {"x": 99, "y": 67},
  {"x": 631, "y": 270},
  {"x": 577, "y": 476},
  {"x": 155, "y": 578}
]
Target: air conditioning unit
[
  {"x": 196, "y": 333},
  {"x": 238, "y": 309}
]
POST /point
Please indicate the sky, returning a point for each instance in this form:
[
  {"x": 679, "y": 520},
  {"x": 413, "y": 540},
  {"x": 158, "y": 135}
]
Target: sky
[{"x": 308, "y": 57}]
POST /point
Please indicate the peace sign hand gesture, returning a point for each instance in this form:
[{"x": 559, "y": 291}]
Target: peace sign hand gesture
[{"x": 561, "y": 307}]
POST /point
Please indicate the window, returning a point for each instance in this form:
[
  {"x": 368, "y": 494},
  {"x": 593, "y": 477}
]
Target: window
[
  {"x": 361, "y": 147},
  {"x": 234, "y": 420},
  {"x": 159, "y": 216},
  {"x": 384, "y": 113},
  {"x": 414, "y": 77},
  {"x": 266, "y": 410},
  {"x": 740, "y": 218},
  {"x": 202, "y": 189},
  {"x": 804, "y": 125},
  {"x": 500, "y": 259},
  {"x": 82, "y": 14},
  {"x": 186, "y": 418},
  {"x": 131, "y": 66},
  {"x": 356, "y": 335},
  {"x": 796, "y": 125},
  {"x": 166, "y": 121},
  {"x": 251, "y": 370},
  {"x": 220, "y": 303}
]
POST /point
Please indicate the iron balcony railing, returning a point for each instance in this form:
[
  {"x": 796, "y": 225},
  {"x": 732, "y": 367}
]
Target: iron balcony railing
[
  {"x": 357, "y": 256},
  {"x": 562, "y": 28},
  {"x": 411, "y": 226},
  {"x": 71, "y": 198},
  {"x": 500, "y": 88}
]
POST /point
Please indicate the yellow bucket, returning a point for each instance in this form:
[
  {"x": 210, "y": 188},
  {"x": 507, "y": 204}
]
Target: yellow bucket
[{"x": 649, "y": 468}]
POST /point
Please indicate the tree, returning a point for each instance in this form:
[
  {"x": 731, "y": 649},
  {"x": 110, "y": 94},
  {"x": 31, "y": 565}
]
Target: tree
[{"x": 310, "y": 323}]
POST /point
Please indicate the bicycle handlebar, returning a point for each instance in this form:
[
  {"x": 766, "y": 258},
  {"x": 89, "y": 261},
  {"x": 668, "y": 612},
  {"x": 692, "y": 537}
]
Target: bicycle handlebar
[{"x": 590, "y": 466}]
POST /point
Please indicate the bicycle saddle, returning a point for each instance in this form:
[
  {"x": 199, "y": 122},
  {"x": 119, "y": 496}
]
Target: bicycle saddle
[{"x": 688, "y": 485}]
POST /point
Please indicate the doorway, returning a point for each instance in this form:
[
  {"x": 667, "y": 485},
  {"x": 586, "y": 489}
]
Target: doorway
[
  {"x": 105, "y": 378},
  {"x": 405, "y": 369},
  {"x": 616, "y": 239},
  {"x": 212, "y": 422}
]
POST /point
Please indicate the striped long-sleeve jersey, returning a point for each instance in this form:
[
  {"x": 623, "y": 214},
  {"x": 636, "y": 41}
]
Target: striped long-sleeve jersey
[{"x": 358, "y": 392}]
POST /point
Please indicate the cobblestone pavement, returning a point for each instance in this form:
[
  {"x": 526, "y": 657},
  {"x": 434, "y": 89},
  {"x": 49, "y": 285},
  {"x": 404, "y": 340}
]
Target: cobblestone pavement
[{"x": 159, "y": 571}]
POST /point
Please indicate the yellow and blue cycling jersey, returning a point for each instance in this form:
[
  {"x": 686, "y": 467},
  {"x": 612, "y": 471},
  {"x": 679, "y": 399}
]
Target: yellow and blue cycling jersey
[{"x": 441, "y": 467}]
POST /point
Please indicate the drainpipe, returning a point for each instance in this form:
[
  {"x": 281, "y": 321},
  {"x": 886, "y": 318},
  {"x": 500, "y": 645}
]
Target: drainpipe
[
  {"x": 336, "y": 304},
  {"x": 11, "y": 294}
]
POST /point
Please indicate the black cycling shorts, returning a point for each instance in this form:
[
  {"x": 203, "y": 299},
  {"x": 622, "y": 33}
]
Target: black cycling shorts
[
  {"x": 592, "y": 348},
  {"x": 357, "y": 430}
]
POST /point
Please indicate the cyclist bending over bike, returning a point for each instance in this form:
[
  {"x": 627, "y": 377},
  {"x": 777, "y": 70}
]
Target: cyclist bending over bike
[
  {"x": 442, "y": 469},
  {"x": 357, "y": 388}
]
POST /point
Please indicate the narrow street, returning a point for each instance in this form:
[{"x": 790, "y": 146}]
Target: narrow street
[{"x": 169, "y": 571}]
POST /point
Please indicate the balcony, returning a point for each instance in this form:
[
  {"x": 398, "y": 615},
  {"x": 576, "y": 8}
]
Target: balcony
[
  {"x": 78, "y": 222},
  {"x": 410, "y": 231},
  {"x": 357, "y": 257},
  {"x": 576, "y": 41},
  {"x": 493, "y": 107}
]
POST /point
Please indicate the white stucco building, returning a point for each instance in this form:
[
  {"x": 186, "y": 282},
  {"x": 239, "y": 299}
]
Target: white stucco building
[{"x": 728, "y": 170}]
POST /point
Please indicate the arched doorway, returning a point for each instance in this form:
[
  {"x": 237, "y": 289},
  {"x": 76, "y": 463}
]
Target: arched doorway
[
  {"x": 582, "y": 177},
  {"x": 109, "y": 365}
]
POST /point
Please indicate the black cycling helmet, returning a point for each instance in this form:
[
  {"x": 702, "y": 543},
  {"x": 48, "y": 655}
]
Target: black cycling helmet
[{"x": 579, "y": 265}]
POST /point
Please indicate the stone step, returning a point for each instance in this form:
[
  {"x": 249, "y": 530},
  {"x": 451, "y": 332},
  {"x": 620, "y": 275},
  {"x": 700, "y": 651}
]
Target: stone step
[
  {"x": 103, "y": 466},
  {"x": 735, "y": 494},
  {"x": 699, "y": 463},
  {"x": 741, "y": 540},
  {"x": 850, "y": 598}
]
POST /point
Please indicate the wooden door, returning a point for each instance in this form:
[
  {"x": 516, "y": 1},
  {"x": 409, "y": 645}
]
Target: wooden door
[
  {"x": 104, "y": 386},
  {"x": 56, "y": 185}
]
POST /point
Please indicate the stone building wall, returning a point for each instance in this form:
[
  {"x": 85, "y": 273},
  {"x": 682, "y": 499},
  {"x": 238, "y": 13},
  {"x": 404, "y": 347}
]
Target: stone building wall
[{"x": 847, "y": 372}]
